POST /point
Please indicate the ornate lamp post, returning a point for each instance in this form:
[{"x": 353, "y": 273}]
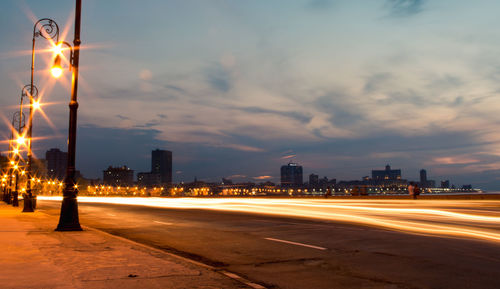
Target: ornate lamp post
[
  {"x": 48, "y": 29},
  {"x": 68, "y": 219},
  {"x": 8, "y": 195},
  {"x": 18, "y": 119},
  {"x": 25, "y": 92}
]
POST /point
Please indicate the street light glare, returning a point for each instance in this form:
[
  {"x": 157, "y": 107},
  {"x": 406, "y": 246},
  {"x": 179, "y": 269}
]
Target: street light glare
[
  {"x": 56, "y": 68},
  {"x": 56, "y": 72},
  {"x": 36, "y": 104},
  {"x": 58, "y": 49},
  {"x": 20, "y": 140}
]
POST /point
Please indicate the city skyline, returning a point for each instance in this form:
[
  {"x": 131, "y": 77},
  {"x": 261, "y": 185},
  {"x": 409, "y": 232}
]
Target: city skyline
[
  {"x": 238, "y": 89},
  {"x": 289, "y": 175}
]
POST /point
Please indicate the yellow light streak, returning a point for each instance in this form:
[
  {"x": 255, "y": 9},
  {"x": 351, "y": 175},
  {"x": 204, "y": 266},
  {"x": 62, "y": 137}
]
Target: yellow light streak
[{"x": 437, "y": 218}]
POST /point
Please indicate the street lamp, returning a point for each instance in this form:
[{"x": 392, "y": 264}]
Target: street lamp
[
  {"x": 17, "y": 118},
  {"x": 8, "y": 187},
  {"x": 68, "y": 219},
  {"x": 48, "y": 29},
  {"x": 20, "y": 140}
]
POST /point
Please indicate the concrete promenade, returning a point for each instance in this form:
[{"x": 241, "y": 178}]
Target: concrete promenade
[{"x": 33, "y": 255}]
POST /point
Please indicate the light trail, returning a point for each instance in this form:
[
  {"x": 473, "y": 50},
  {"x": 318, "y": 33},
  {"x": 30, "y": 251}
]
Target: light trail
[{"x": 442, "y": 218}]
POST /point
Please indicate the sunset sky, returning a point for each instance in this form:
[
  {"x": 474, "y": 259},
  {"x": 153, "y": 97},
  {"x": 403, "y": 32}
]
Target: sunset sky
[{"x": 238, "y": 88}]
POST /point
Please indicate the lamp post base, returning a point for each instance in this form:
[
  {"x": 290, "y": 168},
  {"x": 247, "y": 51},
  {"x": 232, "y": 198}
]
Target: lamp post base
[
  {"x": 28, "y": 204},
  {"x": 68, "y": 219},
  {"x": 15, "y": 199}
]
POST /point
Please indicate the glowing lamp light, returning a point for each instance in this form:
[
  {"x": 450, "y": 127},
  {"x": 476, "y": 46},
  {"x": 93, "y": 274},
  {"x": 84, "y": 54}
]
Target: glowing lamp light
[
  {"x": 57, "y": 49},
  {"x": 36, "y": 104},
  {"x": 20, "y": 140},
  {"x": 56, "y": 68}
]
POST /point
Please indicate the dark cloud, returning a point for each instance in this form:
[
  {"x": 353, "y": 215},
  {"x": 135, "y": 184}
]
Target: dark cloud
[
  {"x": 122, "y": 117},
  {"x": 404, "y": 8},
  {"x": 153, "y": 122},
  {"x": 444, "y": 83},
  {"x": 375, "y": 81},
  {"x": 343, "y": 114},
  {"x": 149, "y": 124},
  {"x": 175, "y": 88},
  {"x": 459, "y": 100},
  {"x": 97, "y": 148},
  {"x": 299, "y": 116},
  {"x": 219, "y": 78}
]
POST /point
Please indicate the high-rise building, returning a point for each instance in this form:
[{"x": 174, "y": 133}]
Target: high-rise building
[
  {"x": 161, "y": 163},
  {"x": 291, "y": 175},
  {"x": 119, "y": 176},
  {"x": 57, "y": 161},
  {"x": 423, "y": 177}
]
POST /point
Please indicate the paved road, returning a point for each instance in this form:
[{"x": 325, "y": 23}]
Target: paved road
[{"x": 321, "y": 252}]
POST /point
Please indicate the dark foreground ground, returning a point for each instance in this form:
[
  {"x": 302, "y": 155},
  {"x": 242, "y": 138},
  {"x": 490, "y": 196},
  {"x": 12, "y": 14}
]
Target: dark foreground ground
[{"x": 290, "y": 252}]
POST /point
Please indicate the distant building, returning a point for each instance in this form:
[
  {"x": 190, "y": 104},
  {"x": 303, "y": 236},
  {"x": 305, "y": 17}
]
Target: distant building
[
  {"x": 445, "y": 184},
  {"x": 57, "y": 162},
  {"x": 161, "y": 163},
  {"x": 291, "y": 175},
  {"x": 387, "y": 174},
  {"x": 313, "y": 180},
  {"x": 119, "y": 176},
  {"x": 39, "y": 168},
  {"x": 423, "y": 177},
  {"x": 424, "y": 182},
  {"x": 148, "y": 179}
]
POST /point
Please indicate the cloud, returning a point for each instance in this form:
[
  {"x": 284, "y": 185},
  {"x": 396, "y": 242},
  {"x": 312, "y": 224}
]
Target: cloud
[
  {"x": 454, "y": 160},
  {"x": 175, "y": 88},
  {"x": 262, "y": 178},
  {"x": 299, "y": 116},
  {"x": 405, "y": 8},
  {"x": 239, "y": 147},
  {"x": 219, "y": 78},
  {"x": 288, "y": 157},
  {"x": 145, "y": 74},
  {"x": 122, "y": 117},
  {"x": 236, "y": 177},
  {"x": 376, "y": 81}
]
